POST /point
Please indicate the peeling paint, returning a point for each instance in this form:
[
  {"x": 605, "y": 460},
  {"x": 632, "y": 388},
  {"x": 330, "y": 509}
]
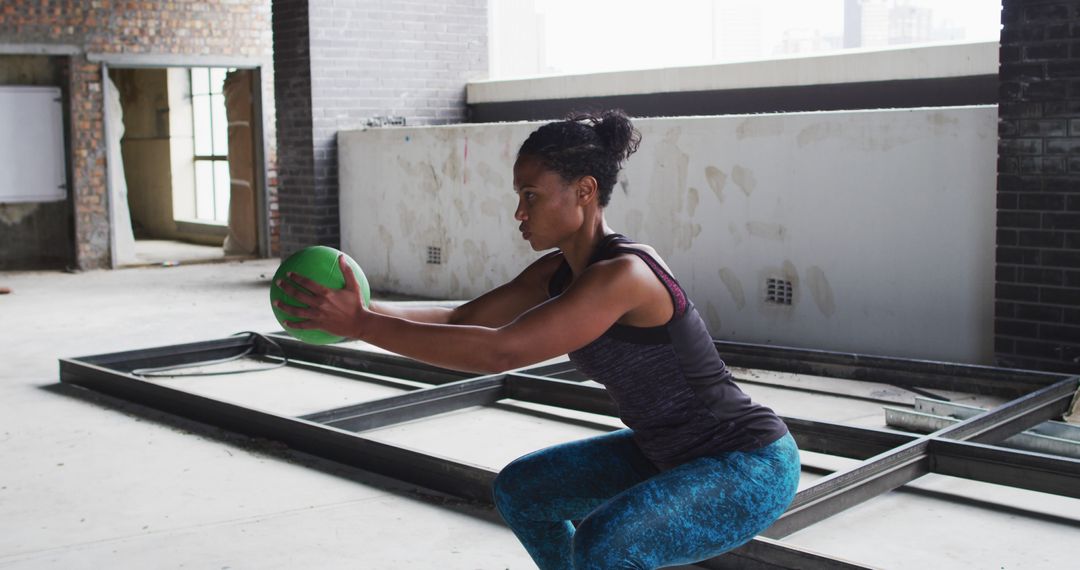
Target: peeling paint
[
  {"x": 734, "y": 286},
  {"x": 820, "y": 290},
  {"x": 490, "y": 208},
  {"x": 491, "y": 177},
  {"x": 759, "y": 127},
  {"x": 476, "y": 260},
  {"x": 744, "y": 179},
  {"x": 462, "y": 212},
  {"x": 767, "y": 230},
  {"x": 712, "y": 317},
  {"x": 406, "y": 219},
  {"x": 452, "y": 167},
  {"x": 13, "y": 214},
  {"x": 873, "y": 137},
  {"x": 693, "y": 198},
  {"x": 668, "y": 180},
  {"x": 421, "y": 174},
  {"x": 684, "y": 235},
  {"x": 717, "y": 180},
  {"x": 386, "y": 243},
  {"x": 817, "y": 132},
  {"x": 736, "y": 235}
]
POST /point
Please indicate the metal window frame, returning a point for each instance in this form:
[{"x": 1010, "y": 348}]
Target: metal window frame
[
  {"x": 214, "y": 157},
  {"x": 888, "y": 459}
]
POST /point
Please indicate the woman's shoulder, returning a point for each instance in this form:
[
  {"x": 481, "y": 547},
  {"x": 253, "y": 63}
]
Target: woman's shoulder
[
  {"x": 637, "y": 249},
  {"x": 540, "y": 272}
]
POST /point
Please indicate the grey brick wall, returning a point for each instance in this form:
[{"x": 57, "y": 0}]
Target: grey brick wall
[
  {"x": 1037, "y": 311},
  {"x": 366, "y": 59}
]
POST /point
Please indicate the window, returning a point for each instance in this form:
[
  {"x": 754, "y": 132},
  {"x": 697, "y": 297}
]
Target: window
[{"x": 211, "y": 144}]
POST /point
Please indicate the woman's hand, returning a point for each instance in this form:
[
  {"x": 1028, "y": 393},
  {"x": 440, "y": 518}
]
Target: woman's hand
[{"x": 339, "y": 312}]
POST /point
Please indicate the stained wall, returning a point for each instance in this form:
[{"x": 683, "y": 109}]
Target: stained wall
[{"x": 882, "y": 221}]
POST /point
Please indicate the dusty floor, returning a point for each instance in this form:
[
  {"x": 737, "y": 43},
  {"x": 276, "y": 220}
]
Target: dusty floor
[{"x": 91, "y": 482}]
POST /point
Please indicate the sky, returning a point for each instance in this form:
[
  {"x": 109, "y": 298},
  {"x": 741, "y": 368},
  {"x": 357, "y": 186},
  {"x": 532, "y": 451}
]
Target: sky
[{"x": 580, "y": 36}]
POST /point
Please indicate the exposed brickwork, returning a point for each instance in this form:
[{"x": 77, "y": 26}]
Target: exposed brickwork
[
  {"x": 344, "y": 62},
  {"x": 238, "y": 28},
  {"x": 1037, "y": 313}
]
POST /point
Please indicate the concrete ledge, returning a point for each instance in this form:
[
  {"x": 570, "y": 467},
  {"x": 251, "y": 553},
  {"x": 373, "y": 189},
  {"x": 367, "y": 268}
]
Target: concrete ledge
[{"x": 935, "y": 61}]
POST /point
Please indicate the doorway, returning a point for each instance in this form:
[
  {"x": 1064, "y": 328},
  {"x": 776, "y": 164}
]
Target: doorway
[{"x": 185, "y": 164}]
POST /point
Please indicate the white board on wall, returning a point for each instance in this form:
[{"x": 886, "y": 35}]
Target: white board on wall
[{"x": 32, "y": 165}]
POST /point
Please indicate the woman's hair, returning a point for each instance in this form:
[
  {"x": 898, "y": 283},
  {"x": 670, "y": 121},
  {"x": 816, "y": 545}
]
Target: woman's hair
[{"x": 585, "y": 145}]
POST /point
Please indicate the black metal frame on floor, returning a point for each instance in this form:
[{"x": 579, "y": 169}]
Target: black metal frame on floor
[{"x": 888, "y": 459}]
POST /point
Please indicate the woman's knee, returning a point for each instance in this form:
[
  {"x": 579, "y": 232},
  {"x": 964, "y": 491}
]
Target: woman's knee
[
  {"x": 511, "y": 484},
  {"x": 599, "y": 545}
]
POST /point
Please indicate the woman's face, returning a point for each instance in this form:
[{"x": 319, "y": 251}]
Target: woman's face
[{"x": 548, "y": 209}]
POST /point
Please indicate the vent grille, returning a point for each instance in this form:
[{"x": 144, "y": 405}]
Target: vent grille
[
  {"x": 778, "y": 291},
  {"x": 434, "y": 255}
]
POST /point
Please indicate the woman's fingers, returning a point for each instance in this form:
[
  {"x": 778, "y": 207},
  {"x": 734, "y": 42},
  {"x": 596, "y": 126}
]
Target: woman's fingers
[
  {"x": 294, "y": 311},
  {"x": 314, "y": 287},
  {"x": 351, "y": 284}
]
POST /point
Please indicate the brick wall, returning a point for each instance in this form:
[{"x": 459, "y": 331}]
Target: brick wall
[
  {"x": 1037, "y": 313},
  {"x": 216, "y": 28},
  {"x": 341, "y": 63}
]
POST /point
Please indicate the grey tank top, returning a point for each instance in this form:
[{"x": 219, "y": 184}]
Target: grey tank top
[{"x": 670, "y": 385}]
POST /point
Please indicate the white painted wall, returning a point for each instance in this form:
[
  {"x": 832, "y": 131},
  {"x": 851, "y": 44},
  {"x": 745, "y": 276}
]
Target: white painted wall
[{"x": 883, "y": 220}]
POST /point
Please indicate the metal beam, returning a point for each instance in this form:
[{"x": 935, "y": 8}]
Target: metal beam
[
  {"x": 768, "y": 554},
  {"x": 1028, "y": 440},
  {"x": 441, "y": 474},
  {"x": 894, "y": 459},
  {"x": 561, "y": 393},
  {"x": 907, "y": 373},
  {"x": 1024, "y": 470},
  {"x": 187, "y": 353},
  {"x": 844, "y": 489},
  {"x": 962, "y": 411},
  {"x": 414, "y": 405},
  {"x": 1014, "y": 417},
  {"x": 843, "y": 440},
  {"x": 365, "y": 361}
]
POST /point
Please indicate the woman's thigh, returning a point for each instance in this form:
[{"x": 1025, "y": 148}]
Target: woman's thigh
[
  {"x": 567, "y": 481},
  {"x": 693, "y": 512}
]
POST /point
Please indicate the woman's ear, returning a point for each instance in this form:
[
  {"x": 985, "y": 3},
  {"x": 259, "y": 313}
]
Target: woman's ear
[{"x": 587, "y": 189}]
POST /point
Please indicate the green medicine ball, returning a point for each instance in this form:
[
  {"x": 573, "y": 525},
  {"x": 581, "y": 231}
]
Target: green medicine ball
[{"x": 320, "y": 264}]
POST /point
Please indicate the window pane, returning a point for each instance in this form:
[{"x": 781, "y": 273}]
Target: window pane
[
  {"x": 204, "y": 190},
  {"x": 221, "y": 126},
  {"x": 217, "y": 79},
  {"x": 203, "y": 138},
  {"x": 200, "y": 81},
  {"x": 221, "y": 189}
]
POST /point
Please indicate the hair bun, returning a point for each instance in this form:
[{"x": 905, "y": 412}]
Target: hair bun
[{"x": 617, "y": 133}]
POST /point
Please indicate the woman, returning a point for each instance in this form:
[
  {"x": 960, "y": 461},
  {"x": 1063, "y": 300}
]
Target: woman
[{"x": 701, "y": 469}]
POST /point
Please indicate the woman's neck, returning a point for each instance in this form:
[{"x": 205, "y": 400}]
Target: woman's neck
[{"x": 580, "y": 247}]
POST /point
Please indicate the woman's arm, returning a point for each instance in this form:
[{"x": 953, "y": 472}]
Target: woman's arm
[
  {"x": 494, "y": 308},
  {"x": 598, "y": 298}
]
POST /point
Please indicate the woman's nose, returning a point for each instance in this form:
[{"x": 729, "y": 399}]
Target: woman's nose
[{"x": 519, "y": 213}]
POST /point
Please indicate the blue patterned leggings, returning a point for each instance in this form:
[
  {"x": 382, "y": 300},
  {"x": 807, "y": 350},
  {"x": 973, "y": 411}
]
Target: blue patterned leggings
[{"x": 632, "y": 515}]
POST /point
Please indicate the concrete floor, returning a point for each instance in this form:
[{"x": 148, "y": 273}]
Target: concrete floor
[{"x": 90, "y": 481}]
